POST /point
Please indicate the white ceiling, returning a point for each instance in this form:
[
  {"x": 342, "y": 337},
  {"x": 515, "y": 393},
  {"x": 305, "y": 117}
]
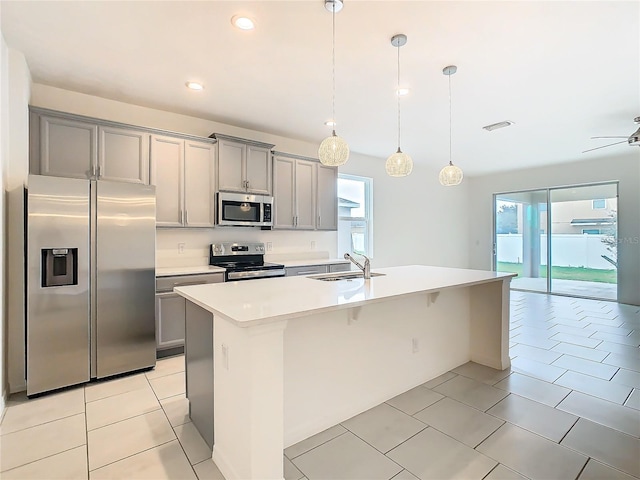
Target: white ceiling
[{"x": 562, "y": 71}]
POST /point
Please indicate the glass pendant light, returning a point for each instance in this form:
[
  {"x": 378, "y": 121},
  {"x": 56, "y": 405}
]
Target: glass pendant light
[
  {"x": 399, "y": 164},
  {"x": 334, "y": 150},
  {"x": 450, "y": 175}
]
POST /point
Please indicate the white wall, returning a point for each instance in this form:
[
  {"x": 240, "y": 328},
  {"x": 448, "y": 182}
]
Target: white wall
[
  {"x": 415, "y": 219},
  {"x": 622, "y": 166},
  {"x": 4, "y": 126},
  {"x": 17, "y": 167}
]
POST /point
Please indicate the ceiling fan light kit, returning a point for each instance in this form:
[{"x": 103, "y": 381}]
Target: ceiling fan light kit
[
  {"x": 450, "y": 175},
  {"x": 632, "y": 140},
  {"x": 399, "y": 164}
]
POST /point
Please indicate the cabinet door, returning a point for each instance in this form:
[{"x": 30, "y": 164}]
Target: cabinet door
[
  {"x": 305, "y": 270},
  {"x": 199, "y": 184},
  {"x": 231, "y": 156},
  {"x": 123, "y": 155},
  {"x": 327, "y": 196},
  {"x": 167, "y": 167},
  {"x": 68, "y": 148},
  {"x": 305, "y": 195},
  {"x": 258, "y": 170},
  {"x": 170, "y": 308},
  {"x": 283, "y": 189}
]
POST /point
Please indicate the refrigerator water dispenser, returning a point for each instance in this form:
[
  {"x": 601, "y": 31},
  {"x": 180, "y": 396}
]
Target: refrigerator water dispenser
[{"x": 59, "y": 267}]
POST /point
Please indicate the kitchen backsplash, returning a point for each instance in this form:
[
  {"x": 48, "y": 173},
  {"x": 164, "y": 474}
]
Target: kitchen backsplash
[{"x": 177, "y": 247}]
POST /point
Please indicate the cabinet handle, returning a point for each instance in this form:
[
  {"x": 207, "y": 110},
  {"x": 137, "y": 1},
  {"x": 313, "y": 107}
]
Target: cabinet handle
[
  {"x": 98, "y": 173},
  {"x": 186, "y": 217},
  {"x": 319, "y": 220}
]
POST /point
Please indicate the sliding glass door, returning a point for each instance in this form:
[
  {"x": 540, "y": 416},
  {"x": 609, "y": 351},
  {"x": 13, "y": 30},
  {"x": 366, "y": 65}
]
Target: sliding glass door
[
  {"x": 584, "y": 240},
  {"x": 520, "y": 238},
  {"x": 559, "y": 240}
]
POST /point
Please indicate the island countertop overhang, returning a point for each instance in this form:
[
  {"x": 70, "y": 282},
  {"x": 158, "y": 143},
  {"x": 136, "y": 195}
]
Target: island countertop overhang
[{"x": 254, "y": 303}]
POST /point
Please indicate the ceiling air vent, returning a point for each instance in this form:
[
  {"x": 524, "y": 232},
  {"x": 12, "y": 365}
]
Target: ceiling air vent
[{"x": 495, "y": 126}]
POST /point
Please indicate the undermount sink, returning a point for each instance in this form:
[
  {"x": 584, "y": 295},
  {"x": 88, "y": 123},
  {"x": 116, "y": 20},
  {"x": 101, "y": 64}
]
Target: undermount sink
[{"x": 333, "y": 277}]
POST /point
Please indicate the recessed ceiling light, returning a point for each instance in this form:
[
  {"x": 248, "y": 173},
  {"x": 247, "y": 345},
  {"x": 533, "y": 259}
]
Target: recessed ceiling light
[
  {"x": 243, "y": 23},
  {"x": 195, "y": 86},
  {"x": 495, "y": 126},
  {"x": 330, "y": 123},
  {"x": 401, "y": 92}
]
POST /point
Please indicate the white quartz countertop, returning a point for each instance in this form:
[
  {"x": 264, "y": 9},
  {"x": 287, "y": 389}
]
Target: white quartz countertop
[
  {"x": 312, "y": 262},
  {"x": 269, "y": 300},
  {"x": 197, "y": 270}
]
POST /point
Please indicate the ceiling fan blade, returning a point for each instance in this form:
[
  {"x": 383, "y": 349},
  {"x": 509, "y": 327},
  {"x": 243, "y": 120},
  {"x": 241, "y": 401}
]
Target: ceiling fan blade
[
  {"x": 604, "y": 146},
  {"x": 619, "y": 136}
]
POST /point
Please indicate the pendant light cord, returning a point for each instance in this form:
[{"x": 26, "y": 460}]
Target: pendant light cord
[
  {"x": 398, "y": 95},
  {"x": 333, "y": 66},
  {"x": 450, "y": 159}
]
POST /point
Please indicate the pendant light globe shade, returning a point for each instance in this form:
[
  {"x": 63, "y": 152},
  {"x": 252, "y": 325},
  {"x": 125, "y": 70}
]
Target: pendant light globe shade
[
  {"x": 333, "y": 151},
  {"x": 450, "y": 175},
  {"x": 399, "y": 164}
]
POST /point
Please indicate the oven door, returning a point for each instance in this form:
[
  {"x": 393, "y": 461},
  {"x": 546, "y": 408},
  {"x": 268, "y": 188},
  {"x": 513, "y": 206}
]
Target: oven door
[{"x": 236, "y": 209}]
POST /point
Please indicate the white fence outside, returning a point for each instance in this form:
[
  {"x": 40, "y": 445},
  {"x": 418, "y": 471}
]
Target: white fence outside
[{"x": 568, "y": 250}]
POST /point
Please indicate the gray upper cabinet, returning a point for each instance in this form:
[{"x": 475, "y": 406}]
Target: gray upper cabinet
[
  {"x": 123, "y": 155},
  {"x": 327, "y": 198},
  {"x": 294, "y": 193},
  {"x": 243, "y": 165},
  {"x": 167, "y": 170},
  {"x": 183, "y": 173},
  {"x": 67, "y": 148},
  {"x": 199, "y": 184},
  {"x": 77, "y": 148}
]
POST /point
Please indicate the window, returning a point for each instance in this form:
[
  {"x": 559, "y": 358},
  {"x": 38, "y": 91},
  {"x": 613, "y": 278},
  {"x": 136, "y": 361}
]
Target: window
[
  {"x": 355, "y": 215},
  {"x": 591, "y": 231},
  {"x": 598, "y": 204}
]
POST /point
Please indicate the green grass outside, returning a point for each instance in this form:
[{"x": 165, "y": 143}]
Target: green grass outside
[{"x": 566, "y": 273}]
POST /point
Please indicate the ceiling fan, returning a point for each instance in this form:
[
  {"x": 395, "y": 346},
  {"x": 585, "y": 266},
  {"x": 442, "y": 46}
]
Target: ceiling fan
[{"x": 633, "y": 139}]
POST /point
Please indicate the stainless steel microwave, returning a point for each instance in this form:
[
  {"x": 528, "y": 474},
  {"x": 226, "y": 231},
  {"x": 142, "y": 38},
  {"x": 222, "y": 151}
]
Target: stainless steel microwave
[{"x": 243, "y": 210}]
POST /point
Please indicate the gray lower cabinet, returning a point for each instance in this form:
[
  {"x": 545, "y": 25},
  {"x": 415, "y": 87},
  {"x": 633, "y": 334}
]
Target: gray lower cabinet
[
  {"x": 305, "y": 270},
  {"x": 317, "y": 269},
  {"x": 169, "y": 320},
  {"x": 339, "y": 267},
  {"x": 170, "y": 307}
]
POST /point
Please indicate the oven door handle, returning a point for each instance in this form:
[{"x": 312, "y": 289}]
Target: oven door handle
[{"x": 256, "y": 274}]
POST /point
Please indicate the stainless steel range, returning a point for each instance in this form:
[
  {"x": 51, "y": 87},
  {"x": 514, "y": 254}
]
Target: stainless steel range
[{"x": 243, "y": 261}]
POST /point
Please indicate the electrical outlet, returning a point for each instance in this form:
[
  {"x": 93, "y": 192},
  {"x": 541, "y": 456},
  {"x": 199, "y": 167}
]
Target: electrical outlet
[
  {"x": 313, "y": 245},
  {"x": 181, "y": 248},
  {"x": 269, "y": 246},
  {"x": 415, "y": 345}
]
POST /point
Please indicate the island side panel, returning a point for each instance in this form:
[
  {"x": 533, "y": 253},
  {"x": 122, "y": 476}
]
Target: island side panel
[
  {"x": 199, "y": 368},
  {"x": 248, "y": 399},
  {"x": 341, "y": 363},
  {"x": 490, "y": 323}
]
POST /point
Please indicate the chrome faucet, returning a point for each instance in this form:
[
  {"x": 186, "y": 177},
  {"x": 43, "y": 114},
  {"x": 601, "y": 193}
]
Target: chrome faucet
[{"x": 366, "y": 269}]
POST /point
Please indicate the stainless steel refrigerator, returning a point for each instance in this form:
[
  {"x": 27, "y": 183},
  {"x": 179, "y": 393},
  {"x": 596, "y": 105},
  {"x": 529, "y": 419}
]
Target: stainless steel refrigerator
[{"x": 90, "y": 280}]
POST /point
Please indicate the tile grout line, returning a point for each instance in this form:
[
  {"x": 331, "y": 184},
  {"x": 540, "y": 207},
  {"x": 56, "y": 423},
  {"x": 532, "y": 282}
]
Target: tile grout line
[
  {"x": 86, "y": 427},
  {"x": 173, "y": 428}
]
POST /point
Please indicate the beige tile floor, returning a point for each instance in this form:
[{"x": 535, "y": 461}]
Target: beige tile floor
[{"x": 567, "y": 409}]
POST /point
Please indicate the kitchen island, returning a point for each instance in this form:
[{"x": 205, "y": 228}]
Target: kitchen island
[{"x": 274, "y": 361}]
